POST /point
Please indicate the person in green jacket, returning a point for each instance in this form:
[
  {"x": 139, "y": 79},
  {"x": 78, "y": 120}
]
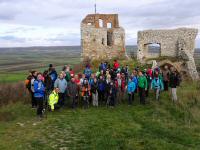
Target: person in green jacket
[
  {"x": 142, "y": 86},
  {"x": 53, "y": 98}
]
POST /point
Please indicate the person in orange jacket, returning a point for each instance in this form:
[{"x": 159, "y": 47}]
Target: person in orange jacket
[{"x": 86, "y": 93}]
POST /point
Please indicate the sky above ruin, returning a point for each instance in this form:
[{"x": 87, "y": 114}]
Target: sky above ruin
[{"x": 57, "y": 22}]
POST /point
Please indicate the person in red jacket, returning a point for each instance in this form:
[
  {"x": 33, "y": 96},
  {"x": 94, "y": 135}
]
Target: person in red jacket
[
  {"x": 116, "y": 65},
  {"x": 71, "y": 73}
]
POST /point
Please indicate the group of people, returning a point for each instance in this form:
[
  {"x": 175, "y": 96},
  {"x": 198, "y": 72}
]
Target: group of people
[{"x": 112, "y": 84}]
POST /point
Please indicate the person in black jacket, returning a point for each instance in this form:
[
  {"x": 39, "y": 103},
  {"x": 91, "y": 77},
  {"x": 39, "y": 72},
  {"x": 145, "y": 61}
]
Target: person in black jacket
[
  {"x": 113, "y": 93},
  {"x": 173, "y": 83},
  {"x": 94, "y": 90},
  {"x": 73, "y": 92}
]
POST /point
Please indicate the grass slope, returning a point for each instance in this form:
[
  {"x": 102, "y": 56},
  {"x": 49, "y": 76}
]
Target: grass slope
[{"x": 158, "y": 125}]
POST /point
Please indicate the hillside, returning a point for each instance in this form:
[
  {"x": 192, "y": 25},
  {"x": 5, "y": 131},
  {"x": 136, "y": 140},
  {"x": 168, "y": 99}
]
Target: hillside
[
  {"x": 155, "y": 126},
  {"x": 158, "y": 125}
]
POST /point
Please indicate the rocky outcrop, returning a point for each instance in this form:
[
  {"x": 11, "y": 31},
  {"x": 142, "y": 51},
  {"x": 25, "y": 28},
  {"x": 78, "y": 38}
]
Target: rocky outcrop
[{"x": 178, "y": 43}]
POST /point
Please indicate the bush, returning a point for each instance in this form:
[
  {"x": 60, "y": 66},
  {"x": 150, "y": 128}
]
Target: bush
[{"x": 12, "y": 93}]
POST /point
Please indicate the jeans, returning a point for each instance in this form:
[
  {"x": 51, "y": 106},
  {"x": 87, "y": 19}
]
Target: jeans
[
  {"x": 130, "y": 98},
  {"x": 157, "y": 93},
  {"x": 95, "y": 99},
  {"x": 74, "y": 101},
  {"x": 61, "y": 99},
  {"x": 86, "y": 101},
  {"x": 166, "y": 85},
  {"x": 174, "y": 95},
  {"x": 33, "y": 100},
  {"x": 142, "y": 95},
  {"x": 39, "y": 105}
]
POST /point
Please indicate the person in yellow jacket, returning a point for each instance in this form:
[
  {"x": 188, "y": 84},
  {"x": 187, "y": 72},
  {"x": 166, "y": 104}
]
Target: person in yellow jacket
[{"x": 53, "y": 98}]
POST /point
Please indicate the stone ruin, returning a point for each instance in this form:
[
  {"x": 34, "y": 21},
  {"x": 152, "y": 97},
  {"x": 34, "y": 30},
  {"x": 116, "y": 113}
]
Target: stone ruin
[
  {"x": 177, "y": 44},
  {"x": 101, "y": 37}
]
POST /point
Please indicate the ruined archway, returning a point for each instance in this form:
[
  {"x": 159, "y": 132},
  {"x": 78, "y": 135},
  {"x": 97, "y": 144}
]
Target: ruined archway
[{"x": 177, "y": 44}]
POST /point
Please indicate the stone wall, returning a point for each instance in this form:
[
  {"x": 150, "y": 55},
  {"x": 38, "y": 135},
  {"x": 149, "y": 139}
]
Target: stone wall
[
  {"x": 94, "y": 39},
  {"x": 178, "y": 43}
]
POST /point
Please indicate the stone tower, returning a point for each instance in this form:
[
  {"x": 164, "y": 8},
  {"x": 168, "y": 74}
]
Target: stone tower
[{"x": 101, "y": 37}]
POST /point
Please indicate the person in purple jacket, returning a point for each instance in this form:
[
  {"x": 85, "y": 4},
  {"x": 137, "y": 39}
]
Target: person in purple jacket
[{"x": 39, "y": 93}]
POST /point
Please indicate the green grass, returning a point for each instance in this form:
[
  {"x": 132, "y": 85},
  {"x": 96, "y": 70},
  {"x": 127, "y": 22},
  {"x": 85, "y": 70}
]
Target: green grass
[{"x": 158, "y": 125}]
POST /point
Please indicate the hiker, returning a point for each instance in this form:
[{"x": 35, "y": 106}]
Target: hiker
[
  {"x": 142, "y": 86},
  {"x": 135, "y": 79},
  {"x": 28, "y": 84},
  {"x": 123, "y": 86},
  {"x": 82, "y": 79},
  {"x": 166, "y": 73},
  {"x": 53, "y": 74},
  {"x": 131, "y": 89},
  {"x": 71, "y": 73},
  {"x": 94, "y": 91},
  {"x": 102, "y": 66},
  {"x": 61, "y": 83},
  {"x": 86, "y": 93},
  {"x": 91, "y": 79},
  {"x": 87, "y": 72},
  {"x": 113, "y": 74},
  {"x": 157, "y": 85},
  {"x": 127, "y": 73},
  {"x": 73, "y": 92},
  {"x": 101, "y": 89},
  {"x": 33, "y": 100},
  {"x": 107, "y": 87},
  {"x": 47, "y": 84},
  {"x": 115, "y": 65},
  {"x": 149, "y": 80},
  {"x": 113, "y": 94},
  {"x": 39, "y": 91},
  {"x": 53, "y": 99},
  {"x": 118, "y": 85},
  {"x": 67, "y": 73},
  {"x": 173, "y": 83}
]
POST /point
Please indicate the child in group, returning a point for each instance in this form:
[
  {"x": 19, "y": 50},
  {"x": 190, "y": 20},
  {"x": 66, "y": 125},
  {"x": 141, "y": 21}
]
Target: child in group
[
  {"x": 131, "y": 89},
  {"x": 157, "y": 85},
  {"x": 86, "y": 93}
]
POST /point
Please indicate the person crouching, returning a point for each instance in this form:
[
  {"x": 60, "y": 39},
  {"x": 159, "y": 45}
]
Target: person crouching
[{"x": 53, "y": 99}]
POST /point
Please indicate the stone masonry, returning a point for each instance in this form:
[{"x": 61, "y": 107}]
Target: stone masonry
[
  {"x": 101, "y": 37},
  {"x": 177, "y": 43}
]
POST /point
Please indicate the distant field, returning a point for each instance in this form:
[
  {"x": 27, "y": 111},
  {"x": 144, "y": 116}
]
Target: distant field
[{"x": 15, "y": 62}]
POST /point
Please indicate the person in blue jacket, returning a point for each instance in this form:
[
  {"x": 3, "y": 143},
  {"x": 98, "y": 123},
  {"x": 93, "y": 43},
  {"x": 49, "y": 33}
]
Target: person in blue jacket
[
  {"x": 39, "y": 93},
  {"x": 135, "y": 80},
  {"x": 53, "y": 74},
  {"x": 87, "y": 72},
  {"x": 131, "y": 86},
  {"x": 157, "y": 85}
]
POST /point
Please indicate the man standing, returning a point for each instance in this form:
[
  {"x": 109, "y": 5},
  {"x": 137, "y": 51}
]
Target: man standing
[
  {"x": 142, "y": 85},
  {"x": 73, "y": 92},
  {"x": 173, "y": 83},
  {"x": 61, "y": 84},
  {"x": 166, "y": 73}
]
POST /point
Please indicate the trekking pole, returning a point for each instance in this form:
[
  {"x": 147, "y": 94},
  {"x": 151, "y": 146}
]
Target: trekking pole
[{"x": 45, "y": 110}]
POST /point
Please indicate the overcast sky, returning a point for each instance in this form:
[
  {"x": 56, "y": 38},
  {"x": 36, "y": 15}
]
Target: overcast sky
[{"x": 57, "y": 22}]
